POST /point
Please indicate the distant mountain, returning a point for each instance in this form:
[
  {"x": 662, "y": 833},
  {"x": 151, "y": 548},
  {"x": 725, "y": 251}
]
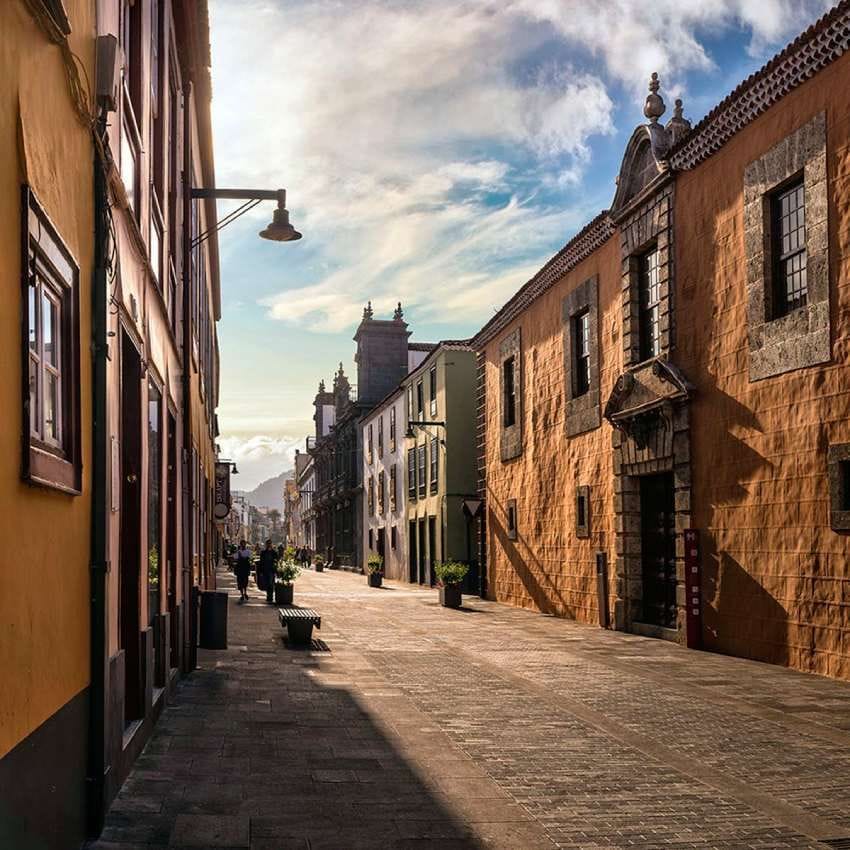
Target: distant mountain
[{"x": 269, "y": 493}]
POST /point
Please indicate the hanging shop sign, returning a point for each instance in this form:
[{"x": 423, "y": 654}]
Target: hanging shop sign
[{"x": 222, "y": 491}]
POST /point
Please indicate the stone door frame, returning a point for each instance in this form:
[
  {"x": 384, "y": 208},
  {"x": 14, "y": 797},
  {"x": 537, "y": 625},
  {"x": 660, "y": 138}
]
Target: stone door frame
[{"x": 663, "y": 447}]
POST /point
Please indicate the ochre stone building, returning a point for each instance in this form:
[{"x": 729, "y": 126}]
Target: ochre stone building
[{"x": 679, "y": 372}]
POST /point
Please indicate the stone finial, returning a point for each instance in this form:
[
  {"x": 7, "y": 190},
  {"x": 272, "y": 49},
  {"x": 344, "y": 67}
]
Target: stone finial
[
  {"x": 399, "y": 313},
  {"x": 340, "y": 372},
  {"x": 654, "y": 107},
  {"x": 367, "y": 314},
  {"x": 678, "y": 125},
  {"x": 322, "y": 385}
]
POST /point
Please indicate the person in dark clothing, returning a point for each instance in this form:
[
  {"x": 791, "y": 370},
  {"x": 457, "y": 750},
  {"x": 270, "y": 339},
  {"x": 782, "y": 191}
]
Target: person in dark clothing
[
  {"x": 266, "y": 568},
  {"x": 243, "y": 569}
]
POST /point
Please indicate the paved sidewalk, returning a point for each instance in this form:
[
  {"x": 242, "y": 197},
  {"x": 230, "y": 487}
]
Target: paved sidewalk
[{"x": 412, "y": 726}]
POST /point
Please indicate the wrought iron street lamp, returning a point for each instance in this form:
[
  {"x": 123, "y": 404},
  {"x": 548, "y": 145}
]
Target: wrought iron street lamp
[
  {"x": 410, "y": 434},
  {"x": 279, "y": 228}
]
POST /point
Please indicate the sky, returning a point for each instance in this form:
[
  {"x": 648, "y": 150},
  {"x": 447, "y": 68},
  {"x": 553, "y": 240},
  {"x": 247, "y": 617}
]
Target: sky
[{"x": 434, "y": 152}]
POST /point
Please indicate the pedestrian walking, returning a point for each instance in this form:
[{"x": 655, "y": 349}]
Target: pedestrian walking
[
  {"x": 266, "y": 569},
  {"x": 243, "y": 569}
]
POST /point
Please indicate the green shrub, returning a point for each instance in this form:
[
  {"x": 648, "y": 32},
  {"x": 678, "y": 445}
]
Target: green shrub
[
  {"x": 287, "y": 572},
  {"x": 451, "y": 572},
  {"x": 289, "y": 553},
  {"x": 375, "y": 564}
]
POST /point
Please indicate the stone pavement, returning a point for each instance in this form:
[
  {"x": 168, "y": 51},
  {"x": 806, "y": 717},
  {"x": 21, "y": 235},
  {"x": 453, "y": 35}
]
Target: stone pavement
[{"x": 411, "y": 726}]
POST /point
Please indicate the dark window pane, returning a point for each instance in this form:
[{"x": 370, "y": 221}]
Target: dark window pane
[
  {"x": 649, "y": 305},
  {"x": 789, "y": 246},
  {"x": 509, "y": 401},
  {"x": 581, "y": 325}
]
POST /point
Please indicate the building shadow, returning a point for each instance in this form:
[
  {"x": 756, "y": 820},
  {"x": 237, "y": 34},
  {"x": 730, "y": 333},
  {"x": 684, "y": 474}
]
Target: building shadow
[
  {"x": 740, "y": 617},
  {"x": 262, "y": 746}
]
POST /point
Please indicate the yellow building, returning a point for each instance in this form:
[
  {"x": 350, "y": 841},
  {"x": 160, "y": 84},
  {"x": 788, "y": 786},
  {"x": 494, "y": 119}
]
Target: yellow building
[
  {"x": 109, "y": 383},
  {"x": 46, "y": 246}
]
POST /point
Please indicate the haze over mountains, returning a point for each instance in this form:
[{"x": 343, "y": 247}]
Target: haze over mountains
[{"x": 268, "y": 493}]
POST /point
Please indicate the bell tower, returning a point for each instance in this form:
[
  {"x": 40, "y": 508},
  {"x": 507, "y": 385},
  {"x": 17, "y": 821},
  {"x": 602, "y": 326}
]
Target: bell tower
[{"x": 381, "y": 354}]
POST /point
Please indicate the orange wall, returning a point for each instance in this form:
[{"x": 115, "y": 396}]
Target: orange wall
[
  {"x": 44, "y": 563},
  {"x": 776, "y": 579},
  {"x": 547, "y": 567}
]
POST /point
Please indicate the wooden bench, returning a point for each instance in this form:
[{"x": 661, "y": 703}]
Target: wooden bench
[{"x": 299, "y": 622}]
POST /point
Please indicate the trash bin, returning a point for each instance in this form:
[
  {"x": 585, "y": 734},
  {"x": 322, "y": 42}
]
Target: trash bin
[{"x": 213, "y": 620}]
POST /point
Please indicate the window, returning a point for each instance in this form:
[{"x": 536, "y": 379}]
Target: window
[
  {"x": 50, "y": 291},
  {"x": 371, "y": 495},
  {"x": 583, "y": 511},
  {"x": 371, "y": 538},
  {"x": 381, "y": 435},
  {"x": 392, "y": 488},
  {"x": 509, "y": 391},
  {"x": 512, "y": 523},
  {"x": 130, "y": 163},
  {"x": 420, "y": 464},
  {"x": 420, "y": 400},
  {"x": 788, "y": 218},
  {"x": 155, "y": 247},
  {"x": 369, "y": 455},
  {"x": 411, "y": 473},
  {"x": 392, "y": 429},
  {"x": 392, "y": 538},
  {"x": 432, "y": 390},
  {"x": 581, "y": 331},
  {"x": 434, "y": 458},
  {"x": 649, "y": 305},
  {"x": 410, "y": 408},
  {"x": 131, "y": 44},
  {"x": 839, "y": 486},
  {"x": 381, "y": 489},
  {"x": 154, "y": 497}
]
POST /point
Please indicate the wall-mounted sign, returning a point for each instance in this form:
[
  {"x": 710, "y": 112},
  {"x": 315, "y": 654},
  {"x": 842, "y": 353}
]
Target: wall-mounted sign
[
  {"x": 221, "y": 509},
  {"x": 693, "y": 590}
]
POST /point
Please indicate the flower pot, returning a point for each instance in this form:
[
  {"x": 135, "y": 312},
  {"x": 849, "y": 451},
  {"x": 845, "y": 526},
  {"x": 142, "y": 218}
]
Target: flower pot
[
  {"x": 283, "y": 593},
  {"x": 320, "y": 568},
  {"x": 375, "y": 579},
  {"x": 450, "y": 596}
]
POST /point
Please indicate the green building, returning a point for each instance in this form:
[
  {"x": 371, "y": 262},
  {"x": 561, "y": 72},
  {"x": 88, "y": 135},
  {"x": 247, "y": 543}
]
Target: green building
[{"x": 440, "y": 461}]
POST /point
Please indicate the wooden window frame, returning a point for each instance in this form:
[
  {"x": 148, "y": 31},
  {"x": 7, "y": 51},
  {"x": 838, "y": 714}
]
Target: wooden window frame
[
  {"x": 581, "y": 354},
  {"x": 420, "y": 471},
  {"x": 583, "y": 511},
  {"x": 381, "y": 435},
  {"x": 782, "y": 305},
  {"x": 43, "y": 252},
  {"x": 393, "y": 486},
  {"x": 420, "y": 400},
  {"x": 432, "y": 390},
  {"x": 392, "y": 429},
  {"x": 511, "y": 521},
  {"x": 509, "y": 392},
  {"x": 434, "y": 464},
  {"x": 649, "y": 304},
  {"x": 411, "y": 473}
]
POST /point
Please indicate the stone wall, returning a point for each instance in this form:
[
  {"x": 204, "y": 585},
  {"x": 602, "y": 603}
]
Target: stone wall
[
  {"x": 549, "y": 566},
  {"x": 775, "y": 574}
]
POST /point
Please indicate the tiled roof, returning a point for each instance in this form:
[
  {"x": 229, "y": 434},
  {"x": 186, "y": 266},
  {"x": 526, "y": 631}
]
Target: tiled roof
[
  {"x": 584, "y": 243},
  {"x": 822, "y": 43}
]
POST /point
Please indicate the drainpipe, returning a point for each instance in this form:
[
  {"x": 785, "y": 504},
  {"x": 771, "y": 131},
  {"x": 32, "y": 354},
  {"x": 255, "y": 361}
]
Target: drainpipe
[{"x": 97, "y": 766}]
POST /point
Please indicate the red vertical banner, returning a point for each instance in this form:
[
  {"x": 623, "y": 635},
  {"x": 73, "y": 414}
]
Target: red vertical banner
[{"x": 693, "y": 590}]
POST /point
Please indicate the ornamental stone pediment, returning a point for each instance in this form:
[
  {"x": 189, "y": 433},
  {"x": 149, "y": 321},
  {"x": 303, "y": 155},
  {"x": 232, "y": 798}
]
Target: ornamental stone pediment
[{"x": 644, "y": 389}]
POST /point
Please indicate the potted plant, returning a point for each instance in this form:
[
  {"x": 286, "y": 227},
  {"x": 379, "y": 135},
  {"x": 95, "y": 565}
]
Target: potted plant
[
  {"x": 375, "y": 570},
  {"x": 287, "y": 572},
  {"x": 319, "y": 564},
  {"x": 450, "y": 575}
]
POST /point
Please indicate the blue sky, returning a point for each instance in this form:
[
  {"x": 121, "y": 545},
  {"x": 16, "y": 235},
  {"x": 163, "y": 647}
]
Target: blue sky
[{"x": 436, "y": 153}]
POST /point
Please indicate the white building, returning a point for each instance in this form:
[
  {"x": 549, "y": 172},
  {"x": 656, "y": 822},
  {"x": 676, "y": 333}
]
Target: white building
[{"x": 384, "y": 503}]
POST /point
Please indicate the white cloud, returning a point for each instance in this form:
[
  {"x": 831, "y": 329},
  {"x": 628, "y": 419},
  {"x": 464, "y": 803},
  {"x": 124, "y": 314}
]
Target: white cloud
[
  {"x": 382, "y": 119},
  {"x": 634, "y": 39},
  {"x": 259, "y": 457}
]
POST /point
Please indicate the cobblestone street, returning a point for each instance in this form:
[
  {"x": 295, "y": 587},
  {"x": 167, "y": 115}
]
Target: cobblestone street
[{"x": 413, "y": 726}]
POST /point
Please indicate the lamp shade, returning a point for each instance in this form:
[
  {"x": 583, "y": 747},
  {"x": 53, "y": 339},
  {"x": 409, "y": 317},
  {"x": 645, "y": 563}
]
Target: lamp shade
[{"x": 280, "y": 230}]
